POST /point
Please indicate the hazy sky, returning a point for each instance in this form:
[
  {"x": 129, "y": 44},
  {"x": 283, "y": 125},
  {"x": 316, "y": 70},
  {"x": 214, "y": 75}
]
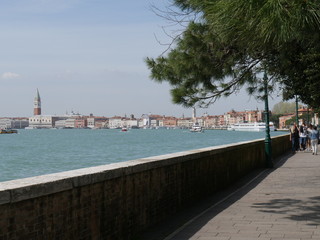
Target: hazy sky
[{"x": 87, "y": 56}]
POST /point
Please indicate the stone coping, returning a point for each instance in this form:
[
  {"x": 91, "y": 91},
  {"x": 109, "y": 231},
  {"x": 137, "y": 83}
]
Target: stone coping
[{"x": 32, "y": 187}]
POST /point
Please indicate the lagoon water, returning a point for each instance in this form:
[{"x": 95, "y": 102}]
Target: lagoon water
[{"x": 42, "y": 151}]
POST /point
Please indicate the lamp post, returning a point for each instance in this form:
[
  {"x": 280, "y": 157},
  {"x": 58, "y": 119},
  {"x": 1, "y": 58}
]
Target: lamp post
[
  {"x": 297, "y": 117},
  {"x": 267, "y": 141}
]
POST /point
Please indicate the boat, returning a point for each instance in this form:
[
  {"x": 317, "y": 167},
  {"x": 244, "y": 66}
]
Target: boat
[
  {"x": 8, "y": 131},
  {"x": 252, "y": 127},
  {"x": 30, "y": 127},
  {"x": 196, "y": 128},
  {"x": 124, "y": 129}
]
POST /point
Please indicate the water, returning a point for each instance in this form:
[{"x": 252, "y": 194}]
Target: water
[{"x": 42, "y": 151}]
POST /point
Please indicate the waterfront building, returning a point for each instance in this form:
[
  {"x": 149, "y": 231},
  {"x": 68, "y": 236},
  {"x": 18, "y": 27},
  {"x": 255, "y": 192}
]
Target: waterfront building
[
  {"x": 5, "y": 123},
  {"x": 140, "y": 122},
  {"x": 130, "y": 123},
  {"x": 97, "y": 122},
  {"x": 37, "y": 104},
  {"x": 120, "y": 122},
  {"x": 90, "y": 122},
  {"x": 81, "y": 122},
  {"x": 41, "y": 121},
  {"x": 60, "y": 124},
  {"x": 200, "y": 121},
  {"x": 184, "y": 122},
  {"x": 17, "y": 123},
  {"x": 283, "y": 119},
  {"x": 233, "y": 117},
  {"x": 160, "y": 122},
  {"x": 253, "y": 116},
  {"x": 211, "y": 121},
  {"x": 170, "y": 122},
  {"x": 150, "y": 121},
  {"x": 115, "y": 122},
  {"x": 302, "y": 111},
  {"x": 146, "y": 123},
  {"x": 70, "y": 123},
  {"x": 249, "y": 116},
  {"x": 154, "y": 123},
  {"x": 44, "y": 121}
]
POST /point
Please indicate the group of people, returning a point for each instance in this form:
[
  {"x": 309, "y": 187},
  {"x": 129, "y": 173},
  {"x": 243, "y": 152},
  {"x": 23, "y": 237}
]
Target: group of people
[{"x": 304, "y": 138}]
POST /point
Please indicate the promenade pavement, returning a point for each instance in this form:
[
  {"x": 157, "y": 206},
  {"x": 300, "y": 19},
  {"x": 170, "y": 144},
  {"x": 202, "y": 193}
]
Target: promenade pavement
[{"x": 275, "y": 204}]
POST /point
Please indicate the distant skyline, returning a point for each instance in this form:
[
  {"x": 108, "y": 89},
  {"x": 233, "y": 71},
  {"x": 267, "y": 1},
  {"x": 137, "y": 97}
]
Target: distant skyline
[{"x": 88, "y": 56}]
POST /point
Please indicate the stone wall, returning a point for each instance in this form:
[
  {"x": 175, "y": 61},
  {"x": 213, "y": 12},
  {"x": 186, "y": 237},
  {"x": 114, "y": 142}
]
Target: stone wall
[{"x": 117, "y": 201}]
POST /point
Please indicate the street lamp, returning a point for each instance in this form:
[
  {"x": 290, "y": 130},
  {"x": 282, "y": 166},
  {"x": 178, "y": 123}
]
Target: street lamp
[
  {"x": 297, "y": 117},
  {"x": 267, "y": 141}
]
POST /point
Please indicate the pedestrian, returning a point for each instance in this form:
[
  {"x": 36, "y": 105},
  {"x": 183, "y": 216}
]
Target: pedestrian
[
  {"x": 294, "y": 137},
  {"x": 308, "y": 144},
  {"x": 314, "y": 136},
  {"x": 303, "y": 136}
]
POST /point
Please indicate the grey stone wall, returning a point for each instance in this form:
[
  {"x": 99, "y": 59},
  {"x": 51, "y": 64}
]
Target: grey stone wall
[{"x": 117, "y": 201}]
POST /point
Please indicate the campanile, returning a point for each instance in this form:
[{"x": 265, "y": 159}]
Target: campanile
[{"x": 37, "y": 104}]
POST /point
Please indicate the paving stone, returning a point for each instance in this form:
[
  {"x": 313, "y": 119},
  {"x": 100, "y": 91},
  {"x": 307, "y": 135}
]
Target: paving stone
[{"x": 282, "y": 203}]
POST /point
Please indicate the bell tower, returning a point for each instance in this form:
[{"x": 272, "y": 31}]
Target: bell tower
[{"x": 37, "y": 104}]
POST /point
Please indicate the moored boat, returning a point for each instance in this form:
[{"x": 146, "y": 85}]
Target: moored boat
[
  {"x": 196, "y": 128},
  {"x": 8, "y": 131},
  {"x": 252, "y": 127}
]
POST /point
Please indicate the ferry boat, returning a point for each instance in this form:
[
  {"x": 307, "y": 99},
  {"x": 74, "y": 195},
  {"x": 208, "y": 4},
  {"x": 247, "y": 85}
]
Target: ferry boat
[
  {"x": 196, "y": 128},
  {"x": 8, "y": 131},
  {"x": 253, "y": 127}
]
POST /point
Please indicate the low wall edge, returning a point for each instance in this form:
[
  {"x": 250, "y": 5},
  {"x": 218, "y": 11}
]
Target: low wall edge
[{"x": 26, "y": 188}]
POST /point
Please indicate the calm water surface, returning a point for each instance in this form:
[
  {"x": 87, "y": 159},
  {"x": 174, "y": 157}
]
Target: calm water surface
[{"x": 42, "y": 151}]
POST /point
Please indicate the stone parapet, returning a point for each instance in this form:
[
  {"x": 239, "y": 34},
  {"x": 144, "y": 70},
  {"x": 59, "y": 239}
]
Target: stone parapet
[{"x": 117, "y": 201}]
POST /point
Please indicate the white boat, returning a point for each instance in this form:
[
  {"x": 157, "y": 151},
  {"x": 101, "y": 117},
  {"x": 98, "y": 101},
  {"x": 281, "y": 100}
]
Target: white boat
[
  {"x": 196, "y": 128},
  {"x": 30, "y": 127},
  {"x": 252, "y": 127}
]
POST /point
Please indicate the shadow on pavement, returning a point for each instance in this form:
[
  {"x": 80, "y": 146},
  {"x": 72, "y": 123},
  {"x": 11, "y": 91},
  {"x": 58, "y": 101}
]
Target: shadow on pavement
[
  {"x": 202, "y": 212},
  {"x": 297, "y": 210}
]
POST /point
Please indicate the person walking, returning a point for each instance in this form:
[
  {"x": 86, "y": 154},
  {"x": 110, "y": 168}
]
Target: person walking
[
  {"x": 308, "y": 145},
  {"x": 303, "y": 136},
  {"x": 314, "y": 136},
  {"x": 294, "y": 137}
]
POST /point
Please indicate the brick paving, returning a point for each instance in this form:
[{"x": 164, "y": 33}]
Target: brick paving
[{"x": 280, "y": 203}]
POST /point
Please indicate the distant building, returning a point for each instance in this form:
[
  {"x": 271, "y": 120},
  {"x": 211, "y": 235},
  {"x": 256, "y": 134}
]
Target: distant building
[
  {"x": 184, "y": 122},
  {"x": 70, "y": 123},
  {"x": 115, "y": 122},
  {"x": 96, "y": 122},
  {"x": 283, "y": 119},
  {"x": 39, "y": 121},
  {"x": 37, "y": 104},
  {"x": 81, "y": 122},
  {"x": 249, "y": 116},
  {"x": 17, "y": 123},
  {"x": 170, "y": 122},
  {"x": 60, "y": 124}
]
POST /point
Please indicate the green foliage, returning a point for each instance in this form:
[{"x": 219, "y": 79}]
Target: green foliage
[
  {"x": 275, "y": 119},
  {"x": 234, "y": 41},
  {"x": 285, "y": 108},
  {"x": 264, "y": 23},
  {"x": 202, "y": 67},
  {"x": 290, "y": 121}
]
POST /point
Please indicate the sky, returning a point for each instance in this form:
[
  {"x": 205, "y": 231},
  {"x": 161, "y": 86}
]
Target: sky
[{"x": 87, "y": 56}]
